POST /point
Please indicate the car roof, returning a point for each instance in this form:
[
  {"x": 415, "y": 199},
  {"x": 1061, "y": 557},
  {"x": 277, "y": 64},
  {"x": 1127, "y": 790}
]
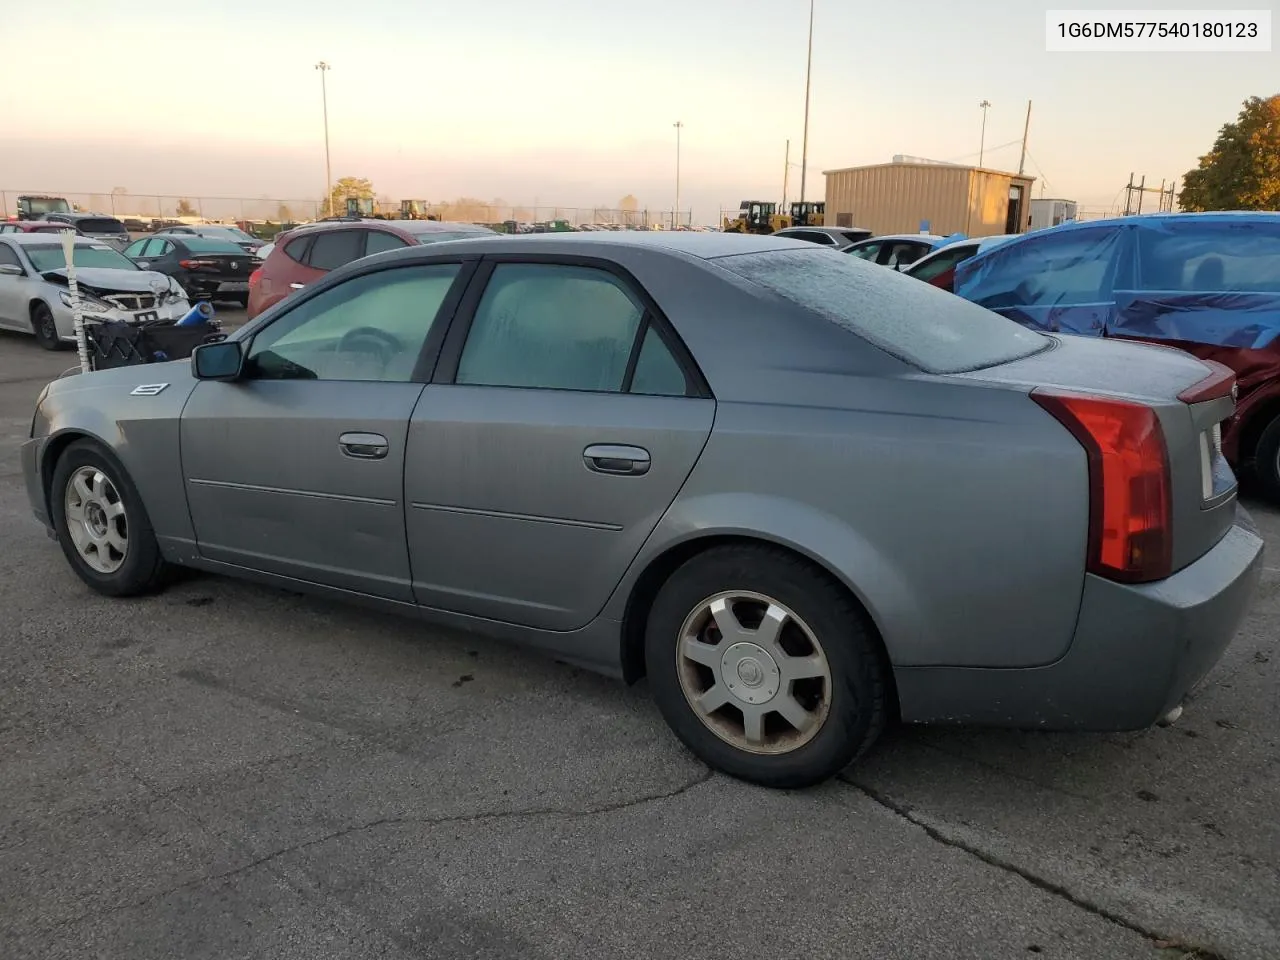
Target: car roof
[
  {"x": 923, "y": 237},
  {"x": 26, "y": 239},
  {"x": 690, "y": 243}
]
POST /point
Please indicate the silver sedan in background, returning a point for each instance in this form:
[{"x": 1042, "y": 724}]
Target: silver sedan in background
[
  {"x": 805, "y": 495},
  {"x": 35, "y": 293}
]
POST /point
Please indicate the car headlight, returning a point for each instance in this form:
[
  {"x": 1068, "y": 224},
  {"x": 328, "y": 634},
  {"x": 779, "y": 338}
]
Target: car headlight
[{"x": 66, "y": 299}]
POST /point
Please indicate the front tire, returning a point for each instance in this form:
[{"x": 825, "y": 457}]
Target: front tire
[
  {"x": 101, "y": 524},
  {"x": 44, "y": 326},
  {"x": 764, "y": 667},
  {"x": 1266, "y": 461}
]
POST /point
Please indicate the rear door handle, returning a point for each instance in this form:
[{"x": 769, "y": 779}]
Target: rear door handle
[
  {"x": 295, "y": 286},
  {"x": 618, "y": 459},
  {"x": 364, "y": 446}
]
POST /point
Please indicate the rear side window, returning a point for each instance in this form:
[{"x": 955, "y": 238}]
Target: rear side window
[
  {"x": 332, "y": 249},
  {"x": 297, "y": 249},
  {"x": 916, "y": 323},
  {"x": 101, "y": 225},
  {"x": 853, "y": 236}
]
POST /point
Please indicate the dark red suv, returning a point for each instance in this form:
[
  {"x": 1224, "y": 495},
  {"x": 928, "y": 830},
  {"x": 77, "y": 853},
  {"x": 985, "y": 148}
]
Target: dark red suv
[{"x": 306, "y": 254}]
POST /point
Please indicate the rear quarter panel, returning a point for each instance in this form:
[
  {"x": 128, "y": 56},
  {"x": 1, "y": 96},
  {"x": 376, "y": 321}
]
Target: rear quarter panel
[
  {"x": 956, "y": 512},
  {"x": 142, "y": 432}
]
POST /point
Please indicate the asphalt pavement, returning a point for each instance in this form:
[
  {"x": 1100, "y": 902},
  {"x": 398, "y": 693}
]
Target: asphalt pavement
[{"x": 227, "y": 771}]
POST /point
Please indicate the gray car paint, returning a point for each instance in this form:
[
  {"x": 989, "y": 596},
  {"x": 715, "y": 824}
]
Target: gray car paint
[{"x": 953, "y": 506}]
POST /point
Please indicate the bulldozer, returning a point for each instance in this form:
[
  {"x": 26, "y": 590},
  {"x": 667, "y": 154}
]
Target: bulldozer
[
  {"x": 808, "y": 214},
  {"x": 416, "y": 210},
  {"x": 757, "y": 216}
]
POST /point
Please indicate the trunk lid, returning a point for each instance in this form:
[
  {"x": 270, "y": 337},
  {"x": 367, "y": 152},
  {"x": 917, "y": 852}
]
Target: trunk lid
[
  {"x": 224, "y": 266},
  {"x": 1192, "y": 400}
]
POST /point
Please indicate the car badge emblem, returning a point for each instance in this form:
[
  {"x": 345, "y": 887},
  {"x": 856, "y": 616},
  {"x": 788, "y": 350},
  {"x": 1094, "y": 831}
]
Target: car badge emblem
[
  {"x": 147, "y": 389},
  {"x": 234, "y": 264}
]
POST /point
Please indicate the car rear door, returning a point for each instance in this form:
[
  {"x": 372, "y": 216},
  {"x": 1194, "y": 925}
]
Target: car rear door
[
  {"x": 297, "y": 468},
  {"x": 561, "y": 422}
]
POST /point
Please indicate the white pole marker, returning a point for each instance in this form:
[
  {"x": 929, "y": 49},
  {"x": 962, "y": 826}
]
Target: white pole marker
[{"x": 77, "y": 311}]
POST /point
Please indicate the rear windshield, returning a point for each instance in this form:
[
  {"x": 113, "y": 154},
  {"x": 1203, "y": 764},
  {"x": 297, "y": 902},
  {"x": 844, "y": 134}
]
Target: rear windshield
[
  {"x": 915, "y": 322},
  {"x": 225, "y": 233},
  {"x": 100, "y": 225},
  {"x": 211, "y": 245}
]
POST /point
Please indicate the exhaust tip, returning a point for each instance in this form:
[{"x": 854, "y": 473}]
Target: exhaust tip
[{"x": 1171, "y": 717}]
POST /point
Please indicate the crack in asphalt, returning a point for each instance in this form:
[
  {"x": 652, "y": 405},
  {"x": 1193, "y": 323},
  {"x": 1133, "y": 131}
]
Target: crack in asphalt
[
  {"x": 905, "y": 812},
  {"x": 551, "y": 812}
]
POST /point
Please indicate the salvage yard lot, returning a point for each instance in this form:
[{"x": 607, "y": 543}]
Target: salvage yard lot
[{"x": 227, "y": 771}]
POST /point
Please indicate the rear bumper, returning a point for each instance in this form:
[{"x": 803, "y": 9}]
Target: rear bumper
[{"x": 1137, "y": 652}]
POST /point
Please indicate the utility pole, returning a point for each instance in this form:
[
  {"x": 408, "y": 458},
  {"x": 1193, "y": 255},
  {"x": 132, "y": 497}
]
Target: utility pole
[
  {"x": 786, "y": 173},
  {"x": 982, "y": 144},
  {"x": 804, "y": 152},
  {"x": 675, "y": 214},
  {"x": 328, "y": 172},
  {"x": 1026, "y": 128}
]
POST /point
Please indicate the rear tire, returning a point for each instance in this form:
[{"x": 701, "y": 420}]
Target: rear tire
[
  {"x": 1266, "y": 461},
  {"x": 102, "y": 526},
  {"x": 788, "y": 655},
  {"x": 44, "y": 326}
]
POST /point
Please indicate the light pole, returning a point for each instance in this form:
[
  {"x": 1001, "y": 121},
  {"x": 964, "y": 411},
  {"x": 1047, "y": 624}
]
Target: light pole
[
  {"x": 982, "y": 144},
  {"x": 804, "y": 150},
  {"x": 675, "y": 214},
  {"x": 328, "y": 175}
]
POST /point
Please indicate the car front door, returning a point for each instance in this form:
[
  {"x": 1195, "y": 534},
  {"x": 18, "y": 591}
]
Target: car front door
[
  {"x": 562, "y": 421},
  {"x": 297, "y": 467}
]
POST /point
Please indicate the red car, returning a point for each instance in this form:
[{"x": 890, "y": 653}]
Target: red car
[
  {"x": 306, "y": 254},
  {"x": 34, "y": 226}
]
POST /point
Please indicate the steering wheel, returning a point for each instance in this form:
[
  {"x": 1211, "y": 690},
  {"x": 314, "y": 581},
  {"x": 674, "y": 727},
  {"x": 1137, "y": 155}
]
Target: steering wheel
[{"x": 371, "y": 340}]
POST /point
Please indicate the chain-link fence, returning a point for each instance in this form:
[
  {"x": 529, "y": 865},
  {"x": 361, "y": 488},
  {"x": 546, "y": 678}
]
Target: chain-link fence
[{"x": 141, "y": 211}]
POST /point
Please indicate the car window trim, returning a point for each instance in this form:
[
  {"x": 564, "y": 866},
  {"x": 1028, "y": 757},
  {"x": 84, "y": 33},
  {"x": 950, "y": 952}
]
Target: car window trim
[
  {"x": 431, "y": 346},
  {"x": 446, "y": 368}
]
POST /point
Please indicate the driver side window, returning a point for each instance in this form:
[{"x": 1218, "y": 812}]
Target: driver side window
[{"x": 371, "y": 327}]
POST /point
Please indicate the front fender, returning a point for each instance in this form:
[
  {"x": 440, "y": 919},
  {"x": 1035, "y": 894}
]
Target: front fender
[
  {"x": 141, "y": 432},
  {"x": 820, "y": 536}
]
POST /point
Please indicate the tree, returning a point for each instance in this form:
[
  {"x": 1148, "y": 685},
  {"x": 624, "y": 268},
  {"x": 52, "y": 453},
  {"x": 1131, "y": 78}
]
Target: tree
[
  {"x": 284, "y": 214},
  {"x": 629, "y": 204},
  {"x": 345, "y": 188},
  {"x": 1242, "y": 171},
  {"x": 185, "y": 209}
]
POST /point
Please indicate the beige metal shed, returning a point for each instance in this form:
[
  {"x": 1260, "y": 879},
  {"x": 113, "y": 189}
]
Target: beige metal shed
[{"x": 897, "y": 197}]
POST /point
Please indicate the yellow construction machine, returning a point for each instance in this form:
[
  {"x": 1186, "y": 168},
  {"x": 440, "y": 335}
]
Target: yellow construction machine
[
  {"x": 757, "y": 216},
  {"x": 808, "y": 214}
]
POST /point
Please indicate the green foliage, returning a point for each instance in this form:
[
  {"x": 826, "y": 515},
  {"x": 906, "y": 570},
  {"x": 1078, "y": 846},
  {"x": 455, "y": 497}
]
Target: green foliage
[
  {"x": 1242, "y": 171},
  {"x": 346, "y": 187}
]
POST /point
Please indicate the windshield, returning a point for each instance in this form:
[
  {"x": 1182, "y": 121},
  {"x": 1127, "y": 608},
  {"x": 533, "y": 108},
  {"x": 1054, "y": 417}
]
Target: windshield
[
  {"x": 46, "y": 257},
  {"x": 47, "y": 205},
  {"x": 101, "y": 225},
  {"x": 210, "y": 245},
  {"x": 925, "y": 327}
]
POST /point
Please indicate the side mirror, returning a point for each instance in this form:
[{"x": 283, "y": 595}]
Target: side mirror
[
  {"x": 217, "y": 361},
  {"x": 11, "y": 270}
]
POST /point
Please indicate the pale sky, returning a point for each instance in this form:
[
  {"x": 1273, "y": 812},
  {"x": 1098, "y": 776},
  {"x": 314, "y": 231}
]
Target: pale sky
[{"x": 572, "y": 101}]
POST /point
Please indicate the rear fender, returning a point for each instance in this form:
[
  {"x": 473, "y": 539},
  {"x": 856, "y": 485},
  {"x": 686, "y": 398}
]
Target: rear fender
[{"x": 825, "y": 539}]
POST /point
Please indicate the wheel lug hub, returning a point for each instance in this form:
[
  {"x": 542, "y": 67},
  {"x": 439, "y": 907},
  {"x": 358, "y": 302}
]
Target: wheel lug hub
[{"x": 750, "y": 673}]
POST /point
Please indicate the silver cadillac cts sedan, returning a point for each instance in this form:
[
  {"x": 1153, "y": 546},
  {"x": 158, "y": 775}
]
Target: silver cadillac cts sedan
[{"x": 806, "y": 496}]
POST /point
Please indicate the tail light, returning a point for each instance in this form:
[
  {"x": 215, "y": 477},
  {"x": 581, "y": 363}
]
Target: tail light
[
  {"x": 196, "y": 264},
  {"x": 255, "y": 278},
  {"x": 1130, "y": 508}
]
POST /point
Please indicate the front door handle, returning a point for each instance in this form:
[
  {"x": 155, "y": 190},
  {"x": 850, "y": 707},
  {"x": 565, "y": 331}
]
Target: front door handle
[
  {"x": 295, "y": 286},
  {"x": 364, "y": 446},
  {"x": 616, "y": 458}
]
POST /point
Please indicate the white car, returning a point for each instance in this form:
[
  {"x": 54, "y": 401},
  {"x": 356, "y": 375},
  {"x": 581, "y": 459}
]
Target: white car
[{"x": 34, "y": 294}]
